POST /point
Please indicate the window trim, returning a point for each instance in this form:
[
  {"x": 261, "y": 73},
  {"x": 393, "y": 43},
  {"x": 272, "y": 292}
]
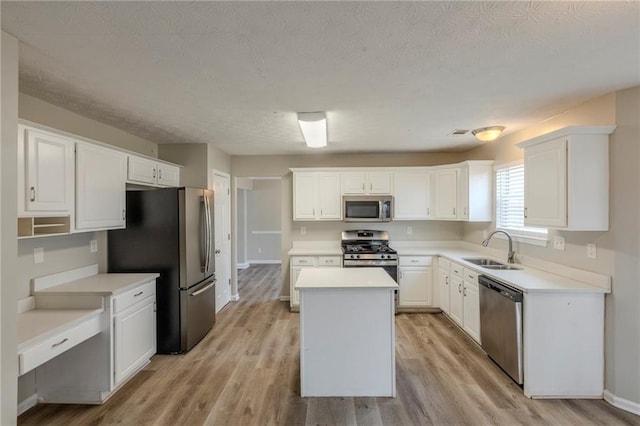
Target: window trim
[{"x": 525, "y": 236}]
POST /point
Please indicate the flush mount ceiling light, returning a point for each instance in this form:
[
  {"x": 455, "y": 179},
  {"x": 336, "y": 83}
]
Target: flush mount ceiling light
[
  {"x": 487, "y": 134},
  {"x": 314, "y": 128}
]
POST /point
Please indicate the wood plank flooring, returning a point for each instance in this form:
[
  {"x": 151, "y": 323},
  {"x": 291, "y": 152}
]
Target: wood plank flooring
[{"x": 246, "y": 371}]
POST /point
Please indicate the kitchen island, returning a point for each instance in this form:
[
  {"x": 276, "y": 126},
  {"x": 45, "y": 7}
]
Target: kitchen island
[{"x": 347, "y": 332}]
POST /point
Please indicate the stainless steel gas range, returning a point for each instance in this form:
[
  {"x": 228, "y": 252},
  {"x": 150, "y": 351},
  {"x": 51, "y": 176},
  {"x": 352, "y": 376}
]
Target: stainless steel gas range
[{"x": 369, "y": 248}]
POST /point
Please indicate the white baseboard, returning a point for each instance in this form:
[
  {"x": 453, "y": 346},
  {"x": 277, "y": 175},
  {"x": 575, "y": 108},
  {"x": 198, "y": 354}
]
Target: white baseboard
[
  {"x": 624, "y": 404},
  {"x": 265, "y": 262},
  {"x": 30, "y": 402},
  {"x": 285, "y": 298},
  {"x": 243, "y": 265},
  {"x": 235, "y": 297}
]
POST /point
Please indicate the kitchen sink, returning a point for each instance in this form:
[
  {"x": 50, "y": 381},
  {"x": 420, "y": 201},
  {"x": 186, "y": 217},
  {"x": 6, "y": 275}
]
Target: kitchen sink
[
  {"x": 483, "y": 261},
  {"x": 502, "y": 267}
]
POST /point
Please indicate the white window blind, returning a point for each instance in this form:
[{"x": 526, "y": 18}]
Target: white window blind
[{"x": 510, "y": 203}]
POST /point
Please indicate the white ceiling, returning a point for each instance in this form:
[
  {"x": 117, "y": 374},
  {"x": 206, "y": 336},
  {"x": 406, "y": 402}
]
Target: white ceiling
[{"x": 392, "y": 76}]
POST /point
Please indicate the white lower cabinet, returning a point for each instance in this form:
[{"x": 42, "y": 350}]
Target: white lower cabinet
[
  {"x": 415, "y": 278},
  {"x": 464, "y": 299},
  {"x": 456, "y": 298},
  {"x": 471, "y": 305},
  {"x": 300, "y": 262},
  {"x": 443, "y": 284},
  {"x": 134, "y": 331},
  {"x": 122, "y": 344}
]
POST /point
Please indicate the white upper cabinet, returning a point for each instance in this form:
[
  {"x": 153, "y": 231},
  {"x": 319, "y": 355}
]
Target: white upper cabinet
[
  {"x": 45, "y": 172},
  {"x": 567, "y": 179},
  {"x": 101, "y": 174},
  {"x": 446, "y": 194},
  {"x": 141, "y": 170},
  {"x": 146, "y": 171},
  {"x": 316, "y": 196},
  {"x": 168, "y": 175},
  {"x": 475, "y": 191},
  {"x": 411, "y": 195},
  {"x": 367, "y": 182}
]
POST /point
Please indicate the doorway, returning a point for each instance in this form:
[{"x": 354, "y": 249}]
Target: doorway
[{"x": 222, "y": 237}]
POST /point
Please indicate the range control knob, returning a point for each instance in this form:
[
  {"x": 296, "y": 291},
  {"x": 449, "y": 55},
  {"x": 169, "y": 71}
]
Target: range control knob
[
  {"x": 357, "y": 256},
  {"x": 353, "y": 257}
]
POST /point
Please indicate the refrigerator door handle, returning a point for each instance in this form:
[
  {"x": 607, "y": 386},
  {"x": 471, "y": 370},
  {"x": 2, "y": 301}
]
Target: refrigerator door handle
[
  {"x": 208, "y": 239},
  {"x": 203, "y": 289},
  {"x": 204, "y": 245}
]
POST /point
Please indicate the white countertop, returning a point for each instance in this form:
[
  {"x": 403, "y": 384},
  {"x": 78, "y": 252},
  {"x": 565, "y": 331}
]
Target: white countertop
[
  {"x": 344, "y": 278},
  {"x": 39, "y": 324},
  {"x": 101, "y": 284},
  {"x": 527, "y": 279}
]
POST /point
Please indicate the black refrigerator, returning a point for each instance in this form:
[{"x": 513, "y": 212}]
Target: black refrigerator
[{"x": 170, "y": 231}]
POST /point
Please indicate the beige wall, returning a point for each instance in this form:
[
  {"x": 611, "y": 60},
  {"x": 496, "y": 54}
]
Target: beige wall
[
  {"x": 41, "y": 112},
  {"x": 193, "y": 158},
  {"x": 198, "y": 160},
  {"x": 218, "y": 160},
  {"x": 622, "y": 319},
  {"x": 266, "y": 166},
  {"x": 618, "y": 248},
  {"x": 8, "y": 229}
]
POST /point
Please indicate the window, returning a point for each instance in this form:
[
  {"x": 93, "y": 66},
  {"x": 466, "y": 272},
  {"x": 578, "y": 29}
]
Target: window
[{"x": 510, "y": 205}]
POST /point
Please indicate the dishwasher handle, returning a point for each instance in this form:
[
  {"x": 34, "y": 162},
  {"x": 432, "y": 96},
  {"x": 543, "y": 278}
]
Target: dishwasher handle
[{"x": 503, "y": 289}]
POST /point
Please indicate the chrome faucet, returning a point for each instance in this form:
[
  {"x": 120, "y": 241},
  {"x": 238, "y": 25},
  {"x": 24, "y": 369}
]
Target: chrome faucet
[{"x": 511, "y": 255}]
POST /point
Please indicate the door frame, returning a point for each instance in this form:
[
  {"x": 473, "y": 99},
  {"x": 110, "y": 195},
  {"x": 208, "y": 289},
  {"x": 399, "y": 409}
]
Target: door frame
[{"x": 232, "y": 245}]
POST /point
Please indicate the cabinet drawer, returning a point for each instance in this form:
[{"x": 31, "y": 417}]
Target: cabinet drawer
[
  {"x": 470, "y": 275},
  {"x": 456, "y": 270},
  {"x": 443, "y": 263},
  {"x": 415, "y": 260},
  {"x": 133, "y": 296},
  {"x": 329, "y": 261},
  {"x": 303, "y": 261},
  {"x": 55, "y": 345}
]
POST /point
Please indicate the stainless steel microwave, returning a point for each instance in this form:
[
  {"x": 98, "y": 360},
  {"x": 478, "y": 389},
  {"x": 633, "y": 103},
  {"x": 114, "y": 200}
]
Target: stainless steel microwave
[{"x": 367, "y": 208}]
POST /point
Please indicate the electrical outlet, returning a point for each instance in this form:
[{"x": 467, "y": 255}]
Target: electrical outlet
[
  {"x": 558, "y": 242},
  {"x": 485, "y": 234},
  {"x": 592, "y": 251},
  {"x": 409, "y": 230},
  {"x": 259, "y": 251},
  {"x": 93, "y": 246},
  {"x": 38, "y": 255},
  {"x": 303, "y": 230}
]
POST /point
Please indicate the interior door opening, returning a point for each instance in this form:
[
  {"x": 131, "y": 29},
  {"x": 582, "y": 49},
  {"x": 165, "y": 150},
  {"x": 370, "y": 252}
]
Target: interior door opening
[{"x": 258, "y": 219}]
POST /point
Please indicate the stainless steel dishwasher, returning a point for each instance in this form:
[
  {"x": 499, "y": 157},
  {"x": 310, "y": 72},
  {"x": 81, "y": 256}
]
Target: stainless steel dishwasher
[{"x": 501, "y": 325}]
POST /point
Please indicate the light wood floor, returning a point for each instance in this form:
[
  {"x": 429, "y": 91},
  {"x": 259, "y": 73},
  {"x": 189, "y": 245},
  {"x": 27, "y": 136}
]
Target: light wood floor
[{"x": 246, "y": 372}]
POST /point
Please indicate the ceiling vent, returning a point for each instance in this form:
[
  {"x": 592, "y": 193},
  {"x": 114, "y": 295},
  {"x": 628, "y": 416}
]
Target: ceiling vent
[{"x": 459, "y": 132}]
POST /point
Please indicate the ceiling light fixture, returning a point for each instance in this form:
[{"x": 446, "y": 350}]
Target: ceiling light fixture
[
  {"x": 314, "y": 128},
  {"x": 487, "y": 134}
]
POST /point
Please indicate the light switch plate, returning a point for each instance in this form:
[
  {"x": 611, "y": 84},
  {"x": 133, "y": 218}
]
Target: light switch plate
[
  {"x": 93, "y": 246},
  {"x": 409, "y": 230},
  {"x": 558, "y": 242},
  {"x": 38, "y": 255},
  {"x": 485, "y": 234},
  {"x": 303, "y": 230},
  {"x": 592, "y": 252}
]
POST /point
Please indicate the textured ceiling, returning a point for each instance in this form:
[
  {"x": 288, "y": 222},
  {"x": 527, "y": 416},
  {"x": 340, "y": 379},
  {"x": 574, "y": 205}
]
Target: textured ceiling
[{"x": 392, "y": 76}]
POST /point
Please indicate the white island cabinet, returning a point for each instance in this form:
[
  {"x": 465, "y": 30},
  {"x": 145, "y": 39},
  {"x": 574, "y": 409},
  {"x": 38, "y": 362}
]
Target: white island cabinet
[{"x": 347, "y": 332}]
